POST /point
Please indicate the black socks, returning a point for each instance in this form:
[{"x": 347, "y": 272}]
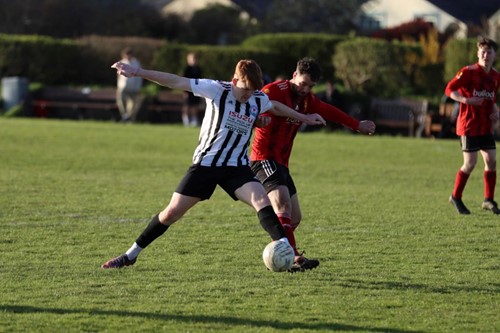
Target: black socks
[
  {"x": 271, "y": 223},
  {"x": 154, "y": 230}
]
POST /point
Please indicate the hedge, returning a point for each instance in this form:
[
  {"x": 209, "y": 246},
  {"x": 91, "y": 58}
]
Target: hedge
[
  {"x": 291, "y": 47},
  {"x": 366, "y": 66},
  {"x": 376, "y": 67},
  {"x": 217, "y": 62},
  {"x": 40, "y": 58},
  {"x": 68, "y": 62}
]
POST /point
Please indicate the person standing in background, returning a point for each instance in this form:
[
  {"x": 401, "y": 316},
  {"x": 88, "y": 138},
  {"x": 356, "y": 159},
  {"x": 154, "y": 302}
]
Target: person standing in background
[
  {"x": 475, "y": 87},
  {"x": 128, "y": 92},
  {"x": 191, "y": 107}
]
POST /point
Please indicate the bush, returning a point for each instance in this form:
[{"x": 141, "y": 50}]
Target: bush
[
  {"x": 429, "y": 79},
  {"x": 104, "y": 51},
  {"x": 376, "y": 67},
  {"x": 69, "y": 62},
  {"x": 217, "y": 62},
  {"x": 291, "y": 47},
  {"x": 459, "y": 53},
  {"x": 40, "y": 58}
]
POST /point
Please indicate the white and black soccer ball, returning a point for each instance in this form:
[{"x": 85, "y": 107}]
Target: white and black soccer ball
[{"x": 278, "y": 256}]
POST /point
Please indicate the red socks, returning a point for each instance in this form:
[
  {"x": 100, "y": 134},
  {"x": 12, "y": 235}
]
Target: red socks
[
  {"x": 490, "y": 179},
  {"x": 460, "y": 181},
  {"x": 286, "y": 222}
]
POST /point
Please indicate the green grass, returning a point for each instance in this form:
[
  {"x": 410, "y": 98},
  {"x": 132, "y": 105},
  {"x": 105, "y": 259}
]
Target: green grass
[{"x": 395, "y": 257}]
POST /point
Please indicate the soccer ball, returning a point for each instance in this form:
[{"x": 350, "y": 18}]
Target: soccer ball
[{"x": 278, "y": 256}]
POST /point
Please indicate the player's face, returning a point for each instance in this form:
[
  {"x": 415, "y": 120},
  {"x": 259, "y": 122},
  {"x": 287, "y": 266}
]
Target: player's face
[
  {"x": 486, "y": 56},
  {"x": 242, "y": 90},
  {"x": 302, "y": 84}
]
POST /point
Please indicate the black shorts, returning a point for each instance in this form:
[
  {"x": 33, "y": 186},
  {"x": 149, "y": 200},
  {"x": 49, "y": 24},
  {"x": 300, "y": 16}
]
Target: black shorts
[
  {"x": 192, "y": 100},
  {"x": 201, "y": 181},
  {"x": 475, "y": 143},
  {"x": 272, "y": 174}
]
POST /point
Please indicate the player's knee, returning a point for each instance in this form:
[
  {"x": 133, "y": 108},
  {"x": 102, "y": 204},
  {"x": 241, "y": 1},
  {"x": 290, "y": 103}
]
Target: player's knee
[
  {"x": 296, "y": 222},
  {"x": 468, "y": 168},
  {"x": 170, "y": 215}
]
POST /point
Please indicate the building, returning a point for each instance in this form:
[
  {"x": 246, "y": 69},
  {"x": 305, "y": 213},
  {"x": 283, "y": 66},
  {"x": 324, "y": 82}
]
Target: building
[
  {"x": 379, "y": 14},
  {"x": 186, "y": 8}
]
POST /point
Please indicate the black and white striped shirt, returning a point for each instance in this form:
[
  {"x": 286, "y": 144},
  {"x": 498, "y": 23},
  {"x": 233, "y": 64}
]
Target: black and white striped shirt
[{"x": 227, "y": 125}]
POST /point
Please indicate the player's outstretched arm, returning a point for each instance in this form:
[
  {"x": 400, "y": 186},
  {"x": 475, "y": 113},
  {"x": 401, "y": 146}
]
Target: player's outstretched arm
[
  {"x": 280, "y": 109},
  {"x": 161, "y": 78}
]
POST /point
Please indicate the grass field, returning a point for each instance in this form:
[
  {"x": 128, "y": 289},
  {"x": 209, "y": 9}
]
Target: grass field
[{"x": 395, "y": 256}]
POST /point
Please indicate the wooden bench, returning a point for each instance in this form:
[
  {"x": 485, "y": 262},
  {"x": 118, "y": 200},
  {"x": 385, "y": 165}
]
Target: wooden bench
[
  {"x": 442, "y": 125},
  {"x": 66, "y": 103},
  {"x": 399, "y": 115},
  {"x": 166, "y": 107}
]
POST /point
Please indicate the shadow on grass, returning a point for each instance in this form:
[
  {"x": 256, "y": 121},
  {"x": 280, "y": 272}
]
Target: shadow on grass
[
  {"x": 231, "y": 321},
  {"x": 389, "y": 285}
]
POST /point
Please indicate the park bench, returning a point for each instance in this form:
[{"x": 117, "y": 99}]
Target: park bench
[
  {"x": 442, "y": 124},
  {"x": 399, "y": 115},
  {"x": 100, "y": 104},
  {"x": 72, "y": 103},
  {"x": 165, "y": 107}
]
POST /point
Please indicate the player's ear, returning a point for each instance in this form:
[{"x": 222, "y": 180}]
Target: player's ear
[{"x": 235, "y": 80}]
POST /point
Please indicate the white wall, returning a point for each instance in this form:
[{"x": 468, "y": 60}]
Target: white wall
[{"x": 392, "y": 13}]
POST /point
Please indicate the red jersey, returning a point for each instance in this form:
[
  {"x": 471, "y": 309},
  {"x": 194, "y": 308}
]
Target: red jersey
[
  {"x": 473, "y": 81},
  {"x": 275, "y": 141}
]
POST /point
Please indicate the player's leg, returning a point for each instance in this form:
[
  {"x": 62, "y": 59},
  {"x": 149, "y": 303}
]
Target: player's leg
[
  {"x": 469, "y": 153},
  {"x": 286, "y": 205},
  {"x": 185, "y": 113},
  {"x": 296, "y": 211},
  {"x": 195, "y": 186},
  {"x": 136, "y": 102},
  {"x": 121, "y": 103},
  {"x": 273, "y": 176},
  {"x": 193, "y": 115},
  {"x": 302, "y": 262},
  {"x": 253, "y": 194},
  {"x": 490, "y": 178},
  {"x": 282, "y": 205},
  {"x": 178, "y": 206}
]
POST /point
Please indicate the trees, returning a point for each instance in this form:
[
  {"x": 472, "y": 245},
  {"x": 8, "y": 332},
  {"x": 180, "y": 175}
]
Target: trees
[
  {"x": 217, "y": 25},
  {"x": 68, "y": 19},
  {"x": 311, "y": 16},
  {"x": 213, "y": 25}
]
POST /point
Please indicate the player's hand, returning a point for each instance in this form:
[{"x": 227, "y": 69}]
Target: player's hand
[
  {"x": 262, "y": 121},
  {"x": 495, "y": 115},
  {"x": 474, "y": 100},
  {"x": 125, "y": 69},
  {"x": 366, "y": 127},
  {"x": 314, "y": 119}
]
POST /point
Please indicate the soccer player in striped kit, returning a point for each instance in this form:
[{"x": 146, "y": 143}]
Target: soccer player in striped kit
[
  {"x": 221, "y": 157},
  {"x": 475, "y": 87}
]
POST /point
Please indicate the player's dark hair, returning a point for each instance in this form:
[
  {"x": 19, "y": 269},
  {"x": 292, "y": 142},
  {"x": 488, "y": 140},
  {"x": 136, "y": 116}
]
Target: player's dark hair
[
  {"x": 309, "y": 66},
  {"x": 490, "y": 43}
]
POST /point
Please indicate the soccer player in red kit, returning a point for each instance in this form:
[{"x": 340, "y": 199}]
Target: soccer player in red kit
[
  {"x": 272, "y": 145},
  {"x": 475, "y": 87}
]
